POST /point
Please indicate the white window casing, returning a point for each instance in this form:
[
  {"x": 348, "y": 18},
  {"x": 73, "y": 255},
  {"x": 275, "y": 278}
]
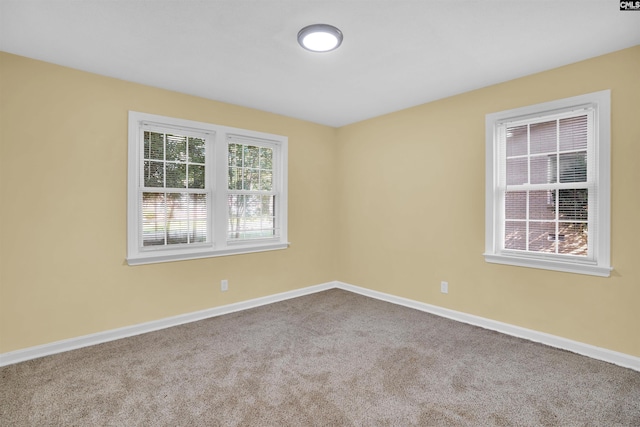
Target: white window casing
[
  {"x": 547, "y": 200},
  {"x": 179, "y": 196}
]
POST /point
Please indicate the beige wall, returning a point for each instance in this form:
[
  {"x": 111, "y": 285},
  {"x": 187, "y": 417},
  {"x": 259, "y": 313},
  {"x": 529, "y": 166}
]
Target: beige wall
[
  {"x": 412, "y": 209},
  {"x": 63, "y": 199},
  {"x": 410, "y": 188}
]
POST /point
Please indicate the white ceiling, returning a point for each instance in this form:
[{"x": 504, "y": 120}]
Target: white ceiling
[{"x": 395, "y": 54}]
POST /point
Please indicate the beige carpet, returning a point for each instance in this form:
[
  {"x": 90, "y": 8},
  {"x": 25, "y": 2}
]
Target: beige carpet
[{"x": 329, "y": 359}]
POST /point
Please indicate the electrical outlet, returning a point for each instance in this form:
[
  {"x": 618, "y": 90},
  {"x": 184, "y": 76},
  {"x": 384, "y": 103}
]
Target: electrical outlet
[
  {"x": 444, "y": 287},
  {"x": 224, "y": 285}
]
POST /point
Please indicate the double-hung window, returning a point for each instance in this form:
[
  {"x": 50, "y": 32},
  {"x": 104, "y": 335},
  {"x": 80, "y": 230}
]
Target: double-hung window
[
  {"x": 199, "y": 190},
  {"x": 547, "y": 185}
]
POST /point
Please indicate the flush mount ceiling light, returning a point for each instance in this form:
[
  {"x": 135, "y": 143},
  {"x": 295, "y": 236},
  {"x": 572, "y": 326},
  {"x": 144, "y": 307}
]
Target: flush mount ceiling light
[{"x": 320, "y": 37}]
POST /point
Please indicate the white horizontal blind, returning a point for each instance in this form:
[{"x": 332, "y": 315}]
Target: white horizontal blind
[
  {"x": 252, "y": 189},
  {"x": 547, "y": 184},
  {"x": 173, "y": 193}
]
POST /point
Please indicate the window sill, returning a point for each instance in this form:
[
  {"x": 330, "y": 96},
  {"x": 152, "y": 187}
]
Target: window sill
[
  {"x": 159, "y": 256},
  {"x": 567, "y": 267}
]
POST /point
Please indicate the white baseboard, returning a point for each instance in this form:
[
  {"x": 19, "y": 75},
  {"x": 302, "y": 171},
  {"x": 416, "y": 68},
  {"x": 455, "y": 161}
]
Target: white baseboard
[
  {"x": 128, "y": 331},
  {"x": 620, "y": 359},
  {"x": 594, "y": 352}
]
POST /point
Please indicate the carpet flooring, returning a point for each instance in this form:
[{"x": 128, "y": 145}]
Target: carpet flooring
[{"x": 333, "y": 358}]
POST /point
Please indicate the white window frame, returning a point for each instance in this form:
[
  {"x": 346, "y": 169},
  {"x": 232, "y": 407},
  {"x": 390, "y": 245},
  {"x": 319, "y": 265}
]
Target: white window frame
[
  {"x": 598, "y": 261},
  {"x": 216, "y": 186}
]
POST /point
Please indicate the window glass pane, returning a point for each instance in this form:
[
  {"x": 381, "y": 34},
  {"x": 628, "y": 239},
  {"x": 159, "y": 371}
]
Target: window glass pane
[
  {"x": 154, "y": 145},
  {"x": 266, "y": 158},
  {"x": 573, "y": 167},
  {"x": 198, "y": 218},
  {"x": 235, "y": 155},
  {"x": 176, "y": 148},
  {"x": 236, "y": 206},
  {"x": 544, "y": 169},
  {"x": 517, "y": 141},
  {"x": 235, "y": 178},
  {"x": 573, "y": 239},
  {"x": 251, "y": 179},
  {"x": 251, "y": 156},
  {"x": 542, "y": 237},
  {"x": 515, "y": 235},
  {"x": 543, "y": 137},
  {"x": 196, "y": 150},
  {"x": 153, "y": 174},
  {"x": 177, "y": 218},
  {"x": 573, "y": 204},
  {"x": 196, "y": 176},
  {"x": 542, "y": 205},
  {"x": 573, "y": 133},
  {"x": 266, "y": 180},
  {"x": 153, "y": 219},
  {"x": 517, "y": 172},
  {"x": 176, "y": 175},
  {"x": 516, "y": 205}
]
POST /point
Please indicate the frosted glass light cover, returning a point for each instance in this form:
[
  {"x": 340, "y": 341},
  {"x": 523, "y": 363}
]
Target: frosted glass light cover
[{"x": 320, "y": 38}]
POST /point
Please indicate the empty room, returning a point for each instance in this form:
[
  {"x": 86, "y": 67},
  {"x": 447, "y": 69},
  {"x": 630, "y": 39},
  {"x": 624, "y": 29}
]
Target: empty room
[{"x": 345, "y": 213}]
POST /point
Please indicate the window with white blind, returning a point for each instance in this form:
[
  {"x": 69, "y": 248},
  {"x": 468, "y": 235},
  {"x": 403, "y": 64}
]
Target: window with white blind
[
  {"x": 548, "y": 185},
  {"x": 200, "y": 190}
]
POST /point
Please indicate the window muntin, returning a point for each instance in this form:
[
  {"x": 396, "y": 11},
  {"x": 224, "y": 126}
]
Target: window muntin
[
  {"x": 547, "y": 185},
  {"x": 199, "y": 190}
]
